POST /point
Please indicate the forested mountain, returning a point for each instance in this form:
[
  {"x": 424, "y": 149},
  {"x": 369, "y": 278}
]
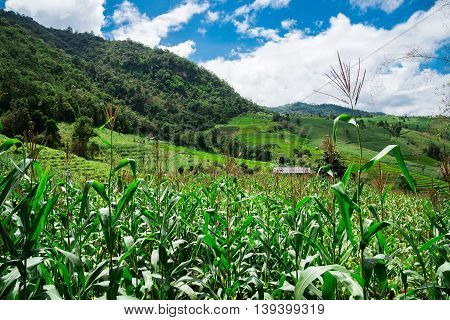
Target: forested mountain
[
  {"x": 61, "y": 75},
  {"x": 322, "y": 110}
]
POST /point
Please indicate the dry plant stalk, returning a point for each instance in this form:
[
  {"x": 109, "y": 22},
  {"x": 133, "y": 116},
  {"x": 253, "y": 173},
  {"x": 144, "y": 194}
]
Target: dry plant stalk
[
  {"x": 444, "y": 169},
  {"x": 328, "y": 146},
  {"x": 381, "y": 180},
  {"x": 111, "y": 113},
  {"x": 341, "y": 80}
]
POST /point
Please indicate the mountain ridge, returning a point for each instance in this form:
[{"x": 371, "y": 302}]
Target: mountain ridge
[{"x": 323, "y": 110}]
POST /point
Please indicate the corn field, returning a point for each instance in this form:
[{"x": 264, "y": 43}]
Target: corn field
[{"x": 217, "y": 236}]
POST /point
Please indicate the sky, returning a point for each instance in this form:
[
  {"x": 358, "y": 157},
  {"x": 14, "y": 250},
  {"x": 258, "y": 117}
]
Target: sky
[{"x": 278, "y": 51}]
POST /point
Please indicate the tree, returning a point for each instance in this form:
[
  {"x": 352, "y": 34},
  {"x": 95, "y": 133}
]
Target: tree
[
  {"x": 83, "y": 130},
  {"x": 214, "y": 137},
  {"x": 396, "y": 129},
  {"x": 433, "y": 151},
  {"x": 52, "y": 137},
  {"x": 16, "y": 122},
  {"x": 276, "y": 117},
  {"x": 93, "y": 149},
  {"x": 201, "y": 141}
]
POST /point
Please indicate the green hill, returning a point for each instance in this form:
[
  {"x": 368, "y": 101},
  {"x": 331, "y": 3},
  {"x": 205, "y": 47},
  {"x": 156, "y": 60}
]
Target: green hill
[
  {"x": 288, "y": 135},
  {"x": 323, "y": 110},
  {"x": 61, "y": 75}
]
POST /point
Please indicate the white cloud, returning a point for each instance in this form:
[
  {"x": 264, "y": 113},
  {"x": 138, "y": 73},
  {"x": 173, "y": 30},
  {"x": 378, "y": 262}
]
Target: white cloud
[
  {"x": 259, "y": 5},
  {"x": 288, "y": 24},
  {"x": 202, "y": 31},
  {"x": 139, "y": 27},
  {"x": 184, "y": 49},
  {"x": 212, "y": 16},
  {"x": 386, "y": 5},
  {"x": 276, "y": 4},
  {"x": 291, "y": 68},
  {"x": 81, "y": 15},
  {"x": 244, "y": 27},
  {"x": 244, "y": 15}
]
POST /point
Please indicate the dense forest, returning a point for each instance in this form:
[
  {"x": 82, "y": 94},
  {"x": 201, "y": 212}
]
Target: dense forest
[{"x": 48, "y": 74}]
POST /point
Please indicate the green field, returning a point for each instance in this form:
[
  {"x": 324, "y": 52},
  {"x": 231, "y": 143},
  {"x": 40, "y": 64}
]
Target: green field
[
  {"x": 215, "y": 236},
  {"x": 257, "y": 129}
]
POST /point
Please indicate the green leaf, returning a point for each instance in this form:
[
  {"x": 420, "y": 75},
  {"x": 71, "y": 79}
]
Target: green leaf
[
  {"x": 347, "y": 175},
  {"x": 126, "y": 198},
  {"x": 187, "y": 290},
  {"x": 329, "y": 286},
  {"x": 345, "y": 204},
  {"x": 52, "y": 292},
  {"x": 95, "y": 275},
  {"x": 400, "y": 161},
  {"x": 8, "y": 182},
  {"x": 381, "y": 275},
  {"x": 430, "y": 242},
  {"x": 75, "y": 260},
  {"x": 310, "y": 274},
  {"x": 209, "y": 240},
  {"x": 5, "y": 146},
  {"x": 39, "y": 222},
  {"x": 7, "y": 241},
  {"x": 343, "y": 118},
  {"x": 97, "y": 186},
  {"x": 41, "y": 188},
  {"x": 443, "y": 268},
  {"x": 125, "y": 162},
  {"x": 105, "y": 142},
  {"x": 372, "y": 230},
  {"x": 353, "y": 286}
]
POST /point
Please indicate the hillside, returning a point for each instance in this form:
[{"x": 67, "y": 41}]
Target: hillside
[
  {"x": 61, "y": 75},
  {"x": 289, "y": 136},
  {"x": 322, "y": 110}
]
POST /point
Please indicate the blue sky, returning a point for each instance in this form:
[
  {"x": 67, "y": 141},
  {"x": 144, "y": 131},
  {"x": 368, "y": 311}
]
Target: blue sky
[
  {"x": 277, "y": 51},
  {"x": 221, "y": 38}
]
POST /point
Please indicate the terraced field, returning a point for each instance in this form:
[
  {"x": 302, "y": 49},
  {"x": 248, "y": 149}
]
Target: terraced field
[
  {"x": 260, "y": 129},
  {"x": 254, "y": 130}
]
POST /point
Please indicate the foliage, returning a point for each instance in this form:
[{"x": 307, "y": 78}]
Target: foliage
[
  {"x": 66, "y": 75},
  {"x": 83, "y": 131},
  {"x": 434, "y": 151},
  {"x": 208, "y": 237},
  {"x": 322, "y": 110}
]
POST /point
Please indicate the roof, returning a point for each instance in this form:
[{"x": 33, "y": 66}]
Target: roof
[{"x": 292, "y": 170}]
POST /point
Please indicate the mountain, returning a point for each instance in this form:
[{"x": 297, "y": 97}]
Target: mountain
[
  {"x": 322, "y": 110},
  {"x": 58, "y": 74}
]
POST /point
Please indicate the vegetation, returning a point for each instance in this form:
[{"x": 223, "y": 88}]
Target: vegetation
[
  {"x": 62, "y": 75},
  {"x": 214, "y": 237},
  {"x": 322, "y": 110},
  {"x": 198, "y": 215}
]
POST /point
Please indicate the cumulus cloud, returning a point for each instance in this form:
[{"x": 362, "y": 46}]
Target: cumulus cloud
[
  {"x": 80, "y": 15},
  {"x": 288, "y": 24},
  {"x": 245, "y": 28},
  {"x": 212, "y": 16},
  {"x": 276, "y": 4},
  {"x": 259, "y": 5},
  {"x": 243, "y": 17},
  {"x": 131, "y": 24},
  {"x": 386, "y": 5},
  {"x": 291, "y": 68},
  {"x": 184, "y": 49}
]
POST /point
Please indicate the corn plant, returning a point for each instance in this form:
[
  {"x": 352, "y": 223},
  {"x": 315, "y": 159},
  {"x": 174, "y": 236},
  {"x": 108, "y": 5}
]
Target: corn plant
[{"x": 226, "y": 236}]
